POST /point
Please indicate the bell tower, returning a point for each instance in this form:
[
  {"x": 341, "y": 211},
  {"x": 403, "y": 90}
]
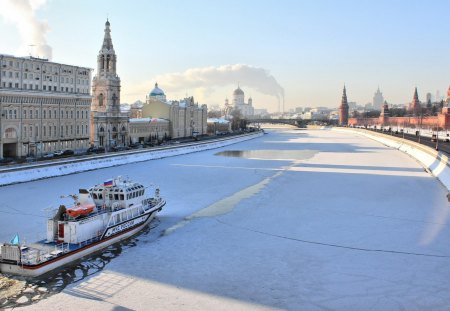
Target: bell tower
[{"x": 109, "y": 126}]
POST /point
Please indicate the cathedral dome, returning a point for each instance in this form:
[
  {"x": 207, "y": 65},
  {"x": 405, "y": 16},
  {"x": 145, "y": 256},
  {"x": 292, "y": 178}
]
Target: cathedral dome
[
  {"x": 157, "y": 91},
  {"x": 238, "y": 91}
]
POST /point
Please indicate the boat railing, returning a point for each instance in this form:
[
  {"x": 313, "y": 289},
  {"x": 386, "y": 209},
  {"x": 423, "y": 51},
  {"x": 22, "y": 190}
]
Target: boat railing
[
  {"x": 34, "y": 255},
  {"x": 92, "y": 239}
]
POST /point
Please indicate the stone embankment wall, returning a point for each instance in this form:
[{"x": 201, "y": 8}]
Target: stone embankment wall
[
  {"x": 434, "y": 161},
  {"x": 45, "y": 170}
]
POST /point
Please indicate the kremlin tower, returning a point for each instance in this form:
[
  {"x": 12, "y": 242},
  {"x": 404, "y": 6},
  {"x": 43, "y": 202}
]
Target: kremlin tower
[{"x": 343, "y": 110}]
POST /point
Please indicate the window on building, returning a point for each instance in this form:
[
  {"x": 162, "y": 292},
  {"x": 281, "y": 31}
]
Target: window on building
[
  {"x": 50, "y": 130},
  {"x": 24, "y": 114},
  {"x": 36, "y": 131},
  {"x": 36, "y": 114},
  {"x": 15, "y": 114},
  {"x": 78, "y": 130},
  {"x": 45, "y": 131},
  {"x": 31, "y": 114},
  {"x": 45, "y": 115},
  {"x": 100, "y": 99}
]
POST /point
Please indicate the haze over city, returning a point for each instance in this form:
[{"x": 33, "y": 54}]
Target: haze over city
[{"x": 303, "y": 50}]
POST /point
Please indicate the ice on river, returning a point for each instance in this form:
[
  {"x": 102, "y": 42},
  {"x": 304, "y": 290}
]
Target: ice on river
[{"x": 353, "y": 225}]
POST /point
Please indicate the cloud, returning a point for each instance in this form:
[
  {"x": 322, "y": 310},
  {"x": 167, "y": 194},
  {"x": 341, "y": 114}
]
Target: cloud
[
  {"x": 256, "y": 78},
  {"x": 32, "y": 31}
]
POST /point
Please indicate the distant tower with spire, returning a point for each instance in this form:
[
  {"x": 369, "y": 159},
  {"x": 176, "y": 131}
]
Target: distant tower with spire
[
  {"x": 343, "y": 109},
  {"x": 109, "y": 126},
  {"x": 415, "y": 104},
  {"x": 378, "y": 100},
  {"x": 385, "y": 114}
]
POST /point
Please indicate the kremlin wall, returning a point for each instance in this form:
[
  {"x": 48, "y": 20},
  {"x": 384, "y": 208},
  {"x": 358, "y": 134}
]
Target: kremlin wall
[{"x": 415, "y": 119}]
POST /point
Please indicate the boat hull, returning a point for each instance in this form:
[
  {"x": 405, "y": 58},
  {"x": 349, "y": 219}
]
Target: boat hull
[{"x": 71, "y": 256}]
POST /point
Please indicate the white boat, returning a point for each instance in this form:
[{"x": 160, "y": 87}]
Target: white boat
[{"x": 103, "y": 215}]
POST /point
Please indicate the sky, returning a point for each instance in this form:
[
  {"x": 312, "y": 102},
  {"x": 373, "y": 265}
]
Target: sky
[{"x": 302, "y": 51}]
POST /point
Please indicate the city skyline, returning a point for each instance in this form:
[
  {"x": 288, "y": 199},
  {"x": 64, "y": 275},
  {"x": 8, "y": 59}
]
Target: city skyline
[{"x": 304, "y": 51}]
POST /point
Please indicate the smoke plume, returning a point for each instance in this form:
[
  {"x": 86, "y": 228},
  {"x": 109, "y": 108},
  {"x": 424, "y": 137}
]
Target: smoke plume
[
  {"x": 32, "y": 31},
  {"x": 207, "y": 78}
]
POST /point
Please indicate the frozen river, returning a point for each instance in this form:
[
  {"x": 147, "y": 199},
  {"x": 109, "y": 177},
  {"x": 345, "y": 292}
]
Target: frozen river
[{"x": 296, "y": 219}]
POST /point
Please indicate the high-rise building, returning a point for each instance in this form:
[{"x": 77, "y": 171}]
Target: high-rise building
[
  {"x": 44, "y": 106},
  {"x": 378, "y": 100},
  {"x": 109, "y": 126}
]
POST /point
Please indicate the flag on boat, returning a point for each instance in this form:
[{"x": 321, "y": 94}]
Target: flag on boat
[
  {"x": 108, "y": 183},
  {"x": 15, "y": 240}
]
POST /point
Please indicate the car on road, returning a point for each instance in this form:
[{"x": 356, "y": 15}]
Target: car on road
[
  {"x": 61, "y": 153},
  {"x": 95, "y": 150},
  {"x": 136, "y": 146},
  {"x": 120, "y": 148}
]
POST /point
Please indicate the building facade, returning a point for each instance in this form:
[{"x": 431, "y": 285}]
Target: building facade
[
  {"x": 143, "y": 130},
  {"x": 186, "y": 118},
  {"x": 44, "y": 106},
  {"x": 109, "y": 126}
]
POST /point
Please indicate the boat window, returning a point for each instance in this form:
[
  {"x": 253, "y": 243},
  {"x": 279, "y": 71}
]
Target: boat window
[
  {"x": 110, "y": 196},
  {"x": 121, "y": 197},
  {"x": 117, "y": 218},
  {"x": 94, "y": 196},
  {"x": 100, "y": 196},
  {"x": 116, "y": 197}
]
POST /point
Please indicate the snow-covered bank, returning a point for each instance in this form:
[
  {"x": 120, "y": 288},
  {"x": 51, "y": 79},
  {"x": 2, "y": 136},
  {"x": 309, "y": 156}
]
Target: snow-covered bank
[
  {"x": 39, "y": 171},
  {"x": 434, "y": 161}
]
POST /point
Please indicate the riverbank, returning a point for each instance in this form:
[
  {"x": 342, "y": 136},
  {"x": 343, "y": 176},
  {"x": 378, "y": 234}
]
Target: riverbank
[{"x": 31, "y": 172}]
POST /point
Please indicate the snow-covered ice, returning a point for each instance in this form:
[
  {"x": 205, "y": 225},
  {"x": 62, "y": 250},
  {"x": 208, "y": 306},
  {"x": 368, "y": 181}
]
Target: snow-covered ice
[{"x": 350, "y": 224}]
